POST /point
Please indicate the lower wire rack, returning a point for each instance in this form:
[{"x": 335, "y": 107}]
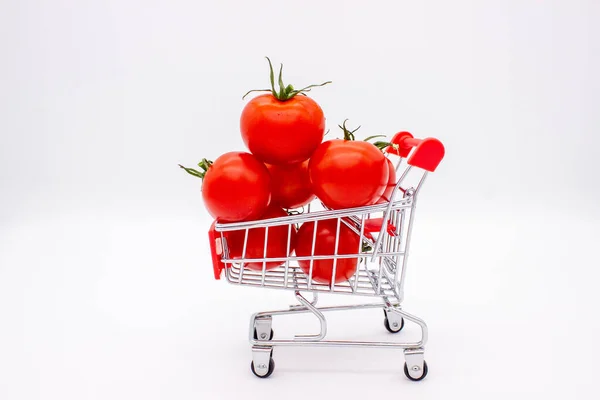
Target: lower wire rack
[{"x": 367, "y": 282}]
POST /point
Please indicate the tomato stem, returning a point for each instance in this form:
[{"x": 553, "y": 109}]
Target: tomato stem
[
  {"x": 348, "y": 135},
  {"x": 285, "y": 92},
  {"x": 383, "y": 145},
  {"x": 204, "y": 165},
  {"x": 372, "y": 137}
]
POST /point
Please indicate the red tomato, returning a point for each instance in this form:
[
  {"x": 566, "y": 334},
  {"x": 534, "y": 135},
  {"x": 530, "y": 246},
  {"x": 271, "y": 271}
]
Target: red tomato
[
  {"x": 236, "y": 187},
  {"x": 325, "y": 245},
  {"x": 277, "y": 242},
  {"x": 282, "y": 132},
  {"x": 348, "y": 173},
  {"x": 290, "y": 185},
  {"x": 389, "y": 189}
]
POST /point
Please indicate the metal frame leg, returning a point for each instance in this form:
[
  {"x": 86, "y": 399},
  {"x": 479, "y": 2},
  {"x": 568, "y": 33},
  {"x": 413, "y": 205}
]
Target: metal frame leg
[{"x": 262, "y": 348}]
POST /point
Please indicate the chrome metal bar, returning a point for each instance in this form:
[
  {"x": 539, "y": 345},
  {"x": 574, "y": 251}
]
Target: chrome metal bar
[
  {"x": 360, "y": 244},
  {"x": 300, "y": 306},
  {"x": 386, "y": 215},
  {"x": 264, "y": 263},
  {"x": 321, "y": 309},
  {"x": 312, "y": 254},
  {"x": 278, "y": 280},
  {"x": 362, "y": 290},
  {"x": 243, "y": 254},
  {"x": 400, "y": 227},
  {"x": 315, "y": 216},
  {"x": 406, "y": 249},
  {"x": 421, "y": 182},
  {"x": 399, "y": 164},
  {"x": 346, "y": 343},
  {"x": 310, "y": 307},
  {"x": 335, "y": 253},
  {"x": 308, "y": 258},
  {"x": 225, "y": 246},
  {"x": 287, "y": 259}
]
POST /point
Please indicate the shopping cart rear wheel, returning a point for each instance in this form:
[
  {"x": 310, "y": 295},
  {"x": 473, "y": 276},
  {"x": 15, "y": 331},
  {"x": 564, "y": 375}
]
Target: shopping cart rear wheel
[
  {"x": 269, "y": 372},
  {"x": 396, "y": 325},
  {"x": 256, "y": 335},
  {"x": 425, "y": 370}
]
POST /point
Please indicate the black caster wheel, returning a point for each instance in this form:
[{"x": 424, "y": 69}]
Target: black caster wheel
[
  {"x": 256, "y": 335},
  {"x": 269, "y": 372},
  {"x": 423, "y": 375},
  {"x": 392, "y": 329}
]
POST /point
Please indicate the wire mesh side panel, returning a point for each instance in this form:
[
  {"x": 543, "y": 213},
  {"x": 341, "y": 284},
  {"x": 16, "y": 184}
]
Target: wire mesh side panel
[{"x": 301, "y": 267}]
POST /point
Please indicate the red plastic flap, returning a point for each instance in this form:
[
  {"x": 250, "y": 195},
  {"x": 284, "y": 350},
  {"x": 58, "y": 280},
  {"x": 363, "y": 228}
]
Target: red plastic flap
[
  {"x": 428, "y": 154},
  {"x": 374, "y": 225},
  {"x": 216, "y": 250}
]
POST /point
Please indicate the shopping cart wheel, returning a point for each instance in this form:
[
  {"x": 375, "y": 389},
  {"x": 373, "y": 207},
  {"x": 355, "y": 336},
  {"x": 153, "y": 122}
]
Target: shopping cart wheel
[
  {"x": 260, "y": 371},
  {"x": 417, "y": 378},
  {"x": 256, "y": 335},
  {"x": 393, "y": 322}
]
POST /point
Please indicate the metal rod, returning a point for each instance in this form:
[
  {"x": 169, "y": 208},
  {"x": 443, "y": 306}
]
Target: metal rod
[
  {"x": 308, "y": 258},
  {"x": 322, "y": 309},
  {"x": 360, "y": 244},
  {"x": 345, "y": 343},
  {"x": 243, "y": 254},
  {"x": 385, "y": 246},
  {"x": 420, "y": 183},
  {"x": 287, "y": 259},
  {"x": 399, "y": 164},
  {"x": 335, "y": 253},
  {"x": 312, "y": 254},
  {"x": 386, "y": 215},
  {"x": 400, "y": 227},
  {"x": 310, "y": 307},
  {"x": 406, "y": 249},
  {"x": 264, "y": 263},
  {"x": 315, "y": 216}
]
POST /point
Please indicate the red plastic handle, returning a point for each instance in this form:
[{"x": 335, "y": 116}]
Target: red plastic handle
[
  {"x": 216, "y": 250},
  {"x": 428, "y": 153}
]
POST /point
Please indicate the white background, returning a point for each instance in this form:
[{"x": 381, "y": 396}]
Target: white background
[{"x": 106, "y": 288}]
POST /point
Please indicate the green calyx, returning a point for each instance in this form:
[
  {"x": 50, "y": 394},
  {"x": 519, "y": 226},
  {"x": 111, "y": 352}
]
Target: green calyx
[
  {"x": 348, "y": 134},
  {"x": 285, "y": 92},
  {"x": 381, "y": 145},
  {"x": 204, "y": 166}
]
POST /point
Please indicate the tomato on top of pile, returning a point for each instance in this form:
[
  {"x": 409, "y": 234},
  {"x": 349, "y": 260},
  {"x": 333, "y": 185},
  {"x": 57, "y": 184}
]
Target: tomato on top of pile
[{"x": 287, "y": 167}]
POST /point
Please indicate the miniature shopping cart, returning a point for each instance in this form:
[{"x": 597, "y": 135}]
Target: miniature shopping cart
[{"x": 384, "y": 232}]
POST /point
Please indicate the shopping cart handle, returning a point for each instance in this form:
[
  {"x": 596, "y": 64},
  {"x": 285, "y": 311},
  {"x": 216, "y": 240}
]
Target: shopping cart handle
[
  {"x": 428, "y": 152},
  {"x": 216, "y": 250}
]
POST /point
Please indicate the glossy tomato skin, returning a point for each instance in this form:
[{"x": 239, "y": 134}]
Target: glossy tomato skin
[
  {"x": 389, "y": 189},
  {"x": 290, "y": 185},
  {"x": 282, "y": 132},
  {"x": 236, "y": 187},
  {"x": 277, "y": 241},
  {"x": 348, "y": 173},
  {"x": 325, "y": 245}
]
